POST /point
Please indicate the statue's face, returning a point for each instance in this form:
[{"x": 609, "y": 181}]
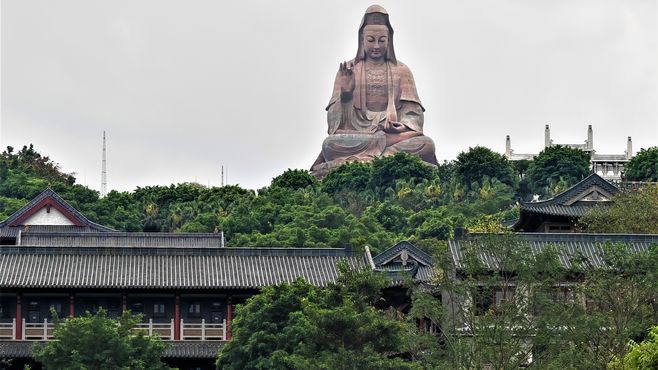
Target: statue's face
[{"x": 375, "y": 41}]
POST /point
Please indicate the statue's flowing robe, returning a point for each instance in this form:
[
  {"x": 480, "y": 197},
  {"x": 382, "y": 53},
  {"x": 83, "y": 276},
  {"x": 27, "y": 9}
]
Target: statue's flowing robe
[{"x": 356, "y": 133}]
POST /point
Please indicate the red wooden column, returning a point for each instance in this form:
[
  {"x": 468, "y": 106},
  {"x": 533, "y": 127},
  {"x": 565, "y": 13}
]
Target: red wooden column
[
  {"x": 124, "y": 302},
  {"x": 71, "y": 304},
  {"x": 421, "y": 325},
  {"x": 19, "y": 317},
  {"x": 229, "y": 317},
  {"x": 177, "y": 318}
]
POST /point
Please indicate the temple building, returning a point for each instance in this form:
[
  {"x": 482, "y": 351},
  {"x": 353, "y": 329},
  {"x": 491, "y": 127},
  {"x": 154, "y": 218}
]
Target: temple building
[
  {"x": 561, "y": 213},
  {"x": 184, "y": 285},
  {"x": 55, "y": 261},
  {"x": 608, "y": 166}
]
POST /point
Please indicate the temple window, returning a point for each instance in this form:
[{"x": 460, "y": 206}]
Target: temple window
[
  {"x": 137, "y": 307},
  {"x": 57, "y": 307},
  {"x": 194, "y": 310},
  {"x": 159, "y": 310}
]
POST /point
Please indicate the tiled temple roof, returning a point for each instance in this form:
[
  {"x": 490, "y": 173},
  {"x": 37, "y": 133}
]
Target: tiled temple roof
[
  {"x": 120, "y": 239},
  {"x": 571, "y": 204},
  {"x": 15, "y": 349},
  {"x": 177, "y": 349},
  {"x": 167, "y": 268},
  {"x": 566, "y": 203},
  {"x": 572, "y": 248},
  {"x": 192, "y": 349},
  {"x": 418, "y": 267}
]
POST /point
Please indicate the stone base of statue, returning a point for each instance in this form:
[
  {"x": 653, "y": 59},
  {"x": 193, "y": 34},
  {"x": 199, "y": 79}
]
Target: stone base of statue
[{"x": 365, "y": 147}]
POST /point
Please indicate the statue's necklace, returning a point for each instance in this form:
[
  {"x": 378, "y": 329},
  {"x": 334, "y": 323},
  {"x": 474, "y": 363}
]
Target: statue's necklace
[{"x": 376, "y": 80}]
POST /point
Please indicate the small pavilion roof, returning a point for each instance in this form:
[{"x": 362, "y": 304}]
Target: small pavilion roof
[
  {"x": 573, "y": 202},
  {"x": 404, "y": 260}
]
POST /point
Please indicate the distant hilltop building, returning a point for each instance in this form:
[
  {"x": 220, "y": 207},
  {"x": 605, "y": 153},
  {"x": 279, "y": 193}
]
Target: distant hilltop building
[{"x": 608, "y": 166}]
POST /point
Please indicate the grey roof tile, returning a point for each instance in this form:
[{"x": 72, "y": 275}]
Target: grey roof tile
[
  {"x": 120, "y": 239},
  {"x": 175, "y": 349},
  {"x": 570, "y": 247},
  {"x": 192, "y": 349},
  {"x": 167, "y": 268}
]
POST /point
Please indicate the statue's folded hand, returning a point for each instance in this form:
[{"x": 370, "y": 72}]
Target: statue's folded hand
[{"x": 393, "y": 127}]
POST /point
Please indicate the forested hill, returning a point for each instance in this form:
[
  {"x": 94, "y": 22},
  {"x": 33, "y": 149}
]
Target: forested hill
[{"x": 358, "y": 204}]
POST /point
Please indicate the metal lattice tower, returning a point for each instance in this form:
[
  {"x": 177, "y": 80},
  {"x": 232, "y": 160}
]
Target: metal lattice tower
[{"x": 104, "y": 171}]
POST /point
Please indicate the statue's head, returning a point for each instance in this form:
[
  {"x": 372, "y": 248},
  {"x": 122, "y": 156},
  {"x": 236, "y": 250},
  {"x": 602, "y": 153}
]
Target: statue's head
[{"x": 376, "y": 35}]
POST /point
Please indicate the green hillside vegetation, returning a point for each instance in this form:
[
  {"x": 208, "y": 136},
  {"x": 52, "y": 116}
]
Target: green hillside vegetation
[
  {"x": 375, "y": 204},
  {"x": 359, "y": 204}
]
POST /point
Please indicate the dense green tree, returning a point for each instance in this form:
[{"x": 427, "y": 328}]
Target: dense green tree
[
  {"x": 644, "y": 166},
  {"x": 387, "y": 170},
  {"x": 294, "y": 179},
  {"x": 618, "y": 304},
  {"x": 299, "y": 326},
  {"x": 9, "y": 206},
  {"x": 633, "y": 212},
  {"x": 351, "y": 176},
  {"x": 557, "y": 168},
  {"x": 641, "y": 356},
  {"x": 480, "y": 162},
  {"x": 100, "y": 343},
  {"x": 519, "y": 311},
  {"x": 32, "y": 163},
  {"x": 390, "y": 216}
]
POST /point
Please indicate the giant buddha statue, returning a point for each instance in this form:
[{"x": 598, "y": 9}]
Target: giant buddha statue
[{"x": 374, "y": 109}]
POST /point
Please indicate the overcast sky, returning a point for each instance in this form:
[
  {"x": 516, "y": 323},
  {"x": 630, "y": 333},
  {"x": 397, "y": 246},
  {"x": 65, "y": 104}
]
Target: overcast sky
[{"x": 183, "y": 87}]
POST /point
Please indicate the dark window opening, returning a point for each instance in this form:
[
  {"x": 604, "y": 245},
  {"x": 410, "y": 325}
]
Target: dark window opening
[
  {"x": 194, "y": 310},
  {"x": 33, "y": 314},
  {"x": 483, "y": 299},
  {"x": 137, "y": 308},
  {"x": 7, "y": 241},
  {"x": 57, "y": 307},
  {"x": 159, "y": 310},
  {"x": 113, "y": 310}
]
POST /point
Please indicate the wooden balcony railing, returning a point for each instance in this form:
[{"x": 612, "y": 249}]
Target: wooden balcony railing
[
  {"x": 38, "y": 330},
  {"x": 164, "y": 330},
  {"x": 189, "y": 331},
  {"x": 8, "y": 329},
  {"x": 203, "y": 331}
]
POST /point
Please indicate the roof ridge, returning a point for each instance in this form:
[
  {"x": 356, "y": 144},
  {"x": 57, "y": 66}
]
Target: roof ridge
[{"x": 592, "y": 179}]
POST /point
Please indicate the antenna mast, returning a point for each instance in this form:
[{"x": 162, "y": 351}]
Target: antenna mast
[
  {"x": 104, "y": 172},
  {"x": 222, "y": 183}
]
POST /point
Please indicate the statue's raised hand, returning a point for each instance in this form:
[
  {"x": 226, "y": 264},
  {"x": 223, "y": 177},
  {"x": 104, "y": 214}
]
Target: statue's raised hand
[{"x": 346, "y": 77}]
